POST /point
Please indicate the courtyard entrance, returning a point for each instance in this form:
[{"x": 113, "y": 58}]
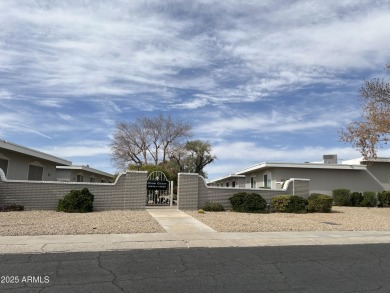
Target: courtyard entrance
[{"x": 159, "y": 190}]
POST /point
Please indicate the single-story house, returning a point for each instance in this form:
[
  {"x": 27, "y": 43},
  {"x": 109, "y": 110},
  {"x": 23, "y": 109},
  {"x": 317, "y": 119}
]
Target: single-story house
[
  {"x": 22, "y": 163},
  {"x": 325, "y": 176},
  {"x": 82, "y": 174},
  {"x": 232, "y": 180}
]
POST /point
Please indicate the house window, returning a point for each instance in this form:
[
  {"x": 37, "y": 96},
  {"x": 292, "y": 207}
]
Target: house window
[
  {"x": 267, "y": 180},
  {"x": 4, "y": 166},
  {"x": 92, "y": 179},
  {"x": 253, "y": 182},
  {"x": 103, "y": 181},
  {"x": 35, "y": 173},
  {"x": 80, "y": 178},
  {"x": 234, "y": 184},
  {"x": 227, "y": 184}
]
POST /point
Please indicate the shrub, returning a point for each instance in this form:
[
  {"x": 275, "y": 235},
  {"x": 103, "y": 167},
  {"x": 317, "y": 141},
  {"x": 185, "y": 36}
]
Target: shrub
[
  {"x": 289, "y": 204},
  {"x": 280, "y": 203},
  {"x": 369, "y": 199},
  {"x": 356, "y": 199},
  {"x": 297, "y": 204},
  {"x": 76, "y": 201},
  {"x": 11, "y": 208},
  {"x": 213, "y": 207},
  {"x": 319, "y": 203},
  {"x": 384, "y": 198},
  {"x": 342, "y": 197},
  {"x": 248, "y": 202}
]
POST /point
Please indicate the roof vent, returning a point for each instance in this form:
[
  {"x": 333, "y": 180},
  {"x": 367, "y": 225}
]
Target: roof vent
[{"x": 330, "y": 159}]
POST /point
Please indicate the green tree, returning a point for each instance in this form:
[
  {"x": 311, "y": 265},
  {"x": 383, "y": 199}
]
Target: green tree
[
  {"x": 194, "y": 157},
  {"x": 372, "y": 131}
]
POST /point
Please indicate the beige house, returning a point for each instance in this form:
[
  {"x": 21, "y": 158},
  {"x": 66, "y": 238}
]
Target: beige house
[
  {"x": 82, "y": 174},
  {"x": 325, "y": 176},
  {"x": 22, "y": 163}
]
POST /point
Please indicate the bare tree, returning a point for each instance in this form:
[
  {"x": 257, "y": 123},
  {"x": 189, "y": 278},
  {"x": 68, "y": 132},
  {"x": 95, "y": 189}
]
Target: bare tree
[
  {"x": 154, "y": 126},
  {"x": 130, "y": 143},
  {"x": 147, "y": 139},
  {"x": 172, "y": 134},
  {"x": 373, "y": 130}
]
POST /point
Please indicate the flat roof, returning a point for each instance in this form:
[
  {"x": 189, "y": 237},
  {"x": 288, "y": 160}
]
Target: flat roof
[
  {"x": 30, "y": 152},
  {"x": 85, "y": 168},
  {"x": 301, "y": 165},
  {"x": 362, "y": 160},
  {"x": 231, "y": 176}
]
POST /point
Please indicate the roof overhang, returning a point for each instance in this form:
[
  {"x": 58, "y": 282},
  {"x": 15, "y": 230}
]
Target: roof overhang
[
  {"x": 231, "y": 176},
  {"x": 263, "y": 166},
  {"x": 30, "y": 152},
  {"x": 85, "y": 168}
]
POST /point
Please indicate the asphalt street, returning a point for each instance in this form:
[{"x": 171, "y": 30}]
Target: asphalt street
[{"x": 337, "y": 268}]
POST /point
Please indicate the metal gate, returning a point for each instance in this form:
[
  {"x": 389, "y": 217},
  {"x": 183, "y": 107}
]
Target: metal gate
[{"x": 159, "y": 189}]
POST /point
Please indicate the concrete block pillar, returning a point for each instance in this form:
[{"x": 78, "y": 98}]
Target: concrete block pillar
[
  {"x": 136, "y": 191},
  {"x": 299, "y": 186},
  {"x": 188, "y": 191}
]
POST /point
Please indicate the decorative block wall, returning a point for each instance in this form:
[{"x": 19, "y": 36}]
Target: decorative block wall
[
  {"x": 193, "y": 193},
  {"x": 128, "y": 192}
]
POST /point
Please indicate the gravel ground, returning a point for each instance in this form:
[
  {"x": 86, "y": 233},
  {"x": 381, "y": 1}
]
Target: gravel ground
[
  {"x": 340, "y": 219},
  {"x": 56, "y": 223},
  {"x": 123, "y": 222}
]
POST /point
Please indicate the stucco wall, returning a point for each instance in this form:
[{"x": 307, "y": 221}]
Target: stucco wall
[
  {"x": 193, "y": 193},
  {"x": 380, "y": 171},
  {"x": 324, "y": 181},
  {"x": 18, "y": 166},
  {"x": 128, "y": 192}
]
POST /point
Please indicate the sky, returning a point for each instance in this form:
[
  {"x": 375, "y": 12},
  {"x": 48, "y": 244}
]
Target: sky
[{"x": 270, "y": 81}]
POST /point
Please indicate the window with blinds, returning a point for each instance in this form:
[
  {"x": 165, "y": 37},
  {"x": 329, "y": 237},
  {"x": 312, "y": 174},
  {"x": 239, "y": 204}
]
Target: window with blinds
[{"x": 35, "y": 173}]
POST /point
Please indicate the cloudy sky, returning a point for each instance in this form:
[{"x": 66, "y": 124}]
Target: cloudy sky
[{"x": 260, "y": 80}]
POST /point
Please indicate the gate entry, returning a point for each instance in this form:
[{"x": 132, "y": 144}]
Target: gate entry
[{"x": 160, "y": 190}]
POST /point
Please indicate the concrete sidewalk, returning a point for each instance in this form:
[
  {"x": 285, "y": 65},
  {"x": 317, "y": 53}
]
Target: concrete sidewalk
[
  {"x": 178, "y": 222},
  {"x": 107, "y": 242},
  {"x": 183, "y": 231}
]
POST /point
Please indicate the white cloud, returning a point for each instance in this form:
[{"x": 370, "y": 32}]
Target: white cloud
[
  {"x": 236, "y": 69},
  {"x": 122, "y": 49},
  {"x": 292, "y": 119},
  {"x": 65, "y": 117},
  {"x": 5, "y": 95},
  {"x": 82, "y": 149},
  {"x": 50, "y": 103}
]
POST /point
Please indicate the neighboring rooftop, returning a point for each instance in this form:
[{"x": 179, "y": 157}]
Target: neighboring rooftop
[
  {"x": 85, "y": 168},
  {"x": 363, "y": 161},
  {"x": 301, "y": 165},
  {"x": 231, "y": 176}
]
